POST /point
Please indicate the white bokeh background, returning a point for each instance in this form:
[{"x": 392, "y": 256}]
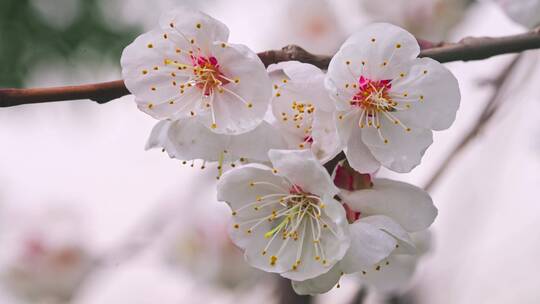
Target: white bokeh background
[{"x": 90, "y": 158}]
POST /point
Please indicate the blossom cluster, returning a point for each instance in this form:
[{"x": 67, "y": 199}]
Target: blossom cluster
[{"x": 272, "y": 130}]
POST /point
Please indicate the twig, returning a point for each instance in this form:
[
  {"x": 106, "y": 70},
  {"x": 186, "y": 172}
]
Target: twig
[
  {"x": 488, "y": 112},
  {"x": 466, "y": 49},
  {"x": 287, "y": 295},
  {"x": 360, "y": 296}
]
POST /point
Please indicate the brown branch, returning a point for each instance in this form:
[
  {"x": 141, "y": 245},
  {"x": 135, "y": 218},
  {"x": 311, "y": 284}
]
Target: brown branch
[
  {"x": 466, "y": 49},
  {"x": 99, "y": 92},
  {"x": 489, "y": 110}
]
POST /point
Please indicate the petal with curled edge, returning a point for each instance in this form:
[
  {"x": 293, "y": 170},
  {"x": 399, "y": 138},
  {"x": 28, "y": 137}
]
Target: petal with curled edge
[
  {"x": 301, "y": 168},
  {"x": 411, "y": 207}
]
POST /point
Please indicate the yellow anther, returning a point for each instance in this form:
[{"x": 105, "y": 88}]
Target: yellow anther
[
  {"x": 273, "y": 260},
  {"x": 236, "y": 226},
  {"x": 150, "y": 45},
  {"x": 213, "y": 126}
]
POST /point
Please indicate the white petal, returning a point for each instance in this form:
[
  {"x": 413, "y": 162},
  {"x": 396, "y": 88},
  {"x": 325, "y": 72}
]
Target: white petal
[
  {"x": 303, "y": 169},
  {"x": 298, "y": 72},
  {"x": 235, "y": 188},
  {"x": 188, "y": 139},
  {"x": 159, "y": 135},
  {"x": 372, "y": 53},
  {"x": 402, "y": 150},
  {"x": 341, "y": 77},
  {"x": 432, "y": 94},
  {"x": 346, "y": 122},
  {"x": 318, "y": 285},
  {"x": 298, "y": 83},
  {"x": 151, "y": 80},
  {"x": 241, "y": 106},
  {"x": 379, "y": 43},
  {"x": 334, "y": 240},
  {"x": 388, "y": 225},
  {"x": 369, "y": 245},
  {"x": 190, "y": 24},
  {"x": 254, "y": 145},
  {"x": 326, "y": 144},
  {"x": 408, "y": 205},
  {"x": 358, "y": 154},
  {"x": 391, "y": 277},
  {"x": 256, "y": 186}
]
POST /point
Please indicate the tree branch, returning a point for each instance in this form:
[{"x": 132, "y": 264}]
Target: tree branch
[{"x": 465, "y": 50}]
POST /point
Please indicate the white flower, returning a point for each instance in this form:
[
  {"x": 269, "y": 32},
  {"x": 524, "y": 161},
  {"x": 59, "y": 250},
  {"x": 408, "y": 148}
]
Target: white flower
[
  {"x": 317, "y": 28},
  {"x": 303, "y": 110},
  {"x": 44, "y": 256},
  {"x": 188, "y": 139},
  {"x": 524, "y": 12},
  {"x": 383, "y": 250},
  {"x": 186, "y": 68},
  {"x": 388, "y": 100},
  {"x": 286, "y": 218},
  {"x": 426, "y": 19}
]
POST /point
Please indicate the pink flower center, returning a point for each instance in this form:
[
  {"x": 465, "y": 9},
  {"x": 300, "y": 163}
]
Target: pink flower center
[
  {"x": 207, "y": 74},
  {"x": 373, "y": 95},
  {"x": 295, "y": 189}
]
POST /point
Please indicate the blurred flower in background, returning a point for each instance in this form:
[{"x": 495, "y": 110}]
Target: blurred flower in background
[
  {"x": 199, "y": 245},
  {"x": 426, "y": 19},
  {"x": 524, "y": 12},
  {"x": 315, "y": 27},
  {"x": 45, "y": 255}
]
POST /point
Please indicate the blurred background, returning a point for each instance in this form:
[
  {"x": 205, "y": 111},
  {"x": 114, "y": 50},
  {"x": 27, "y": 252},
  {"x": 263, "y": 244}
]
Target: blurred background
[{"x": 88, "y": 217}]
